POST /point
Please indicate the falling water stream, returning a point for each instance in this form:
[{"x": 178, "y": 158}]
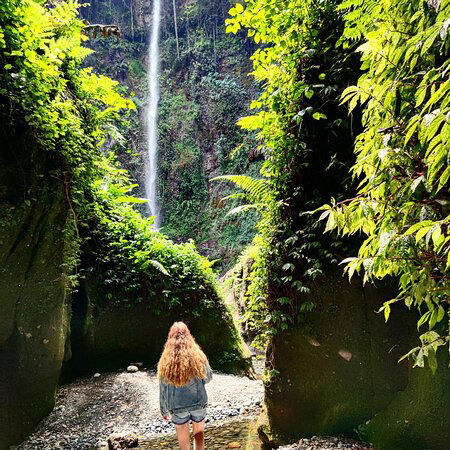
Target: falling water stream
[{"x": 152, "y": 113}]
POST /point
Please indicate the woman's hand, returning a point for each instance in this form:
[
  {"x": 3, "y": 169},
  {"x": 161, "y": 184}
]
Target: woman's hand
[{"x": 166, "y": 417}]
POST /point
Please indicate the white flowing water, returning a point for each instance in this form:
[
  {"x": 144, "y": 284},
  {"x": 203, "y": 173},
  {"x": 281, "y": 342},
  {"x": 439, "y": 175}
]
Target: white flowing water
[{"x": 152, "y": 113}]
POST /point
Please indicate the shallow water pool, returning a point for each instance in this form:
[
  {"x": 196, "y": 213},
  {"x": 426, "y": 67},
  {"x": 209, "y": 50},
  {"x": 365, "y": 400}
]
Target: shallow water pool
[{"x": 240, "y": 434}]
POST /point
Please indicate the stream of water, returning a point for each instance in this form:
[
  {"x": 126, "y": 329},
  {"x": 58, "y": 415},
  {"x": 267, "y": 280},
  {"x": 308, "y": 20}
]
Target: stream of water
[
  {"x": 237, "y": 434},
  {"x": 152, "y": 113}
]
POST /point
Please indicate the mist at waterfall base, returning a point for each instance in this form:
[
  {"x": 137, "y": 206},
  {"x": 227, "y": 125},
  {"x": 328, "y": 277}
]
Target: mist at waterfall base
[{"x": 152, "y": 114}]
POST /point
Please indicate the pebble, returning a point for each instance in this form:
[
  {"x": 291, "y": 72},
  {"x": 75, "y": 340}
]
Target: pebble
[{"x": 132, "y": 369}]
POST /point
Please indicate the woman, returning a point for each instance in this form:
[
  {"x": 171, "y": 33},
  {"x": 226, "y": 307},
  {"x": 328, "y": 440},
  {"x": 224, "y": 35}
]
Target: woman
[{"x": 183, "y": 371}]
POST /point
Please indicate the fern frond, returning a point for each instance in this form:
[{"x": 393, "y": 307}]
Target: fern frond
[
  {"x": 157, "y": 265},
  {"x": 243, "y": 208},
  {"x": 233, "y": 196},
  {"x": 257, "y": 188}
]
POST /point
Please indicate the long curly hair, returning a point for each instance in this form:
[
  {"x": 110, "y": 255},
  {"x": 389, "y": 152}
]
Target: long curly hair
[{"x": 182, "y": 359}]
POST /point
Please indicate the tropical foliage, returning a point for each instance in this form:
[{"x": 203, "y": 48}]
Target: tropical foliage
[
  {"x": 73, "y": 113},
  {"x": 402, "y": 204},
  {"x": 304, "y": 133},
  {"x": 399, "y": 199}
]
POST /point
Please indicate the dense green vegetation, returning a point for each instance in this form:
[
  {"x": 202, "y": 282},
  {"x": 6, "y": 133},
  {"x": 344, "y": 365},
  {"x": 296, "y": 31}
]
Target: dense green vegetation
[
  {"x": 402, "y": 203},
  {"x": 339, "y": 145},
  {"x": 398, "y": 190},
  {"x": 203, "y": 93},
  {"x": 397, "y": 187},
  {"x": 204, "y": 90},
  {"x": 72, "y": 113},
  {"x": 305, "y": 136}
]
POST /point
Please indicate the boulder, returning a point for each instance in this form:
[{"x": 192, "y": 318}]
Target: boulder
[
  {"x": 337, "y": 372},
  {"x": 108, "y": 331}
]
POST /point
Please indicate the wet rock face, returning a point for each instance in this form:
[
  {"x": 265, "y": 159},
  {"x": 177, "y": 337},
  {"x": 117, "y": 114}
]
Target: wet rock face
[
  {"x": 418, "y": 417},
  {"x": 33, "y": 297},
  {"x": 339, "y": 369}
]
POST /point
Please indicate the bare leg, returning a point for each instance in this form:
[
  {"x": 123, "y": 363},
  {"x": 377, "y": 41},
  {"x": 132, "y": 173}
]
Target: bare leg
[
  {"x": 184, "y": 440},
  {"x": 199, "y": 435}
]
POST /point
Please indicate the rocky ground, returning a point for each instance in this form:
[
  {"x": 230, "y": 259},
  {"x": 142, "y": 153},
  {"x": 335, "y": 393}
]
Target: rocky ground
[
  {"x": 88, "y": 410},
  {"x": 326, "y": 443}
]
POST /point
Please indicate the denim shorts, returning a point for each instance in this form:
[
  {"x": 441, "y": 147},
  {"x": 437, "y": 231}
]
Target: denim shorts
[{"x": 184, "y": 417}]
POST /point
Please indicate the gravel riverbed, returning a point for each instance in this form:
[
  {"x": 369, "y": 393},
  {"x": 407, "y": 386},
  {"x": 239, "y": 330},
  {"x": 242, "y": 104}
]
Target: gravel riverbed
[
  {"x": 327, "y": 443},
  {"x": 88, "y": 410}
]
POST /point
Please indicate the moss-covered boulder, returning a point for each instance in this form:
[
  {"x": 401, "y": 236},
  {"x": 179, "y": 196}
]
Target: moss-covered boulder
[
  {"x": 34, "y": 304},
  {"x": 135, "y": 283},
  {"x": 418, "y": 417},
  {"x": 339, "y": 369}
]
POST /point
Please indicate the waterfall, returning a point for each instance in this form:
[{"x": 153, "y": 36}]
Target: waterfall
[{"x": 152, "y": 113}]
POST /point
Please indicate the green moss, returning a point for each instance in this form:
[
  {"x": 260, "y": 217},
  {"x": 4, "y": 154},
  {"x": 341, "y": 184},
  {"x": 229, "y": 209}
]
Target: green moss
[
  {"x": 314, "y": 389},
  {"x": 34, "y": 294},
  {"x": 418, "y": 417}
]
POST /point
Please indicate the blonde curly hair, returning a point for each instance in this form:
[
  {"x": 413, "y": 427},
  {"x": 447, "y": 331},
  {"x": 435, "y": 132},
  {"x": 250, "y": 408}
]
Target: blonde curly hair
[{"x": 182, "y": 359}]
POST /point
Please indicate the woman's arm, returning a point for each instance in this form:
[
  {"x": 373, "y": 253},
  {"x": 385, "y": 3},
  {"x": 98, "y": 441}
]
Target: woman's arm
[
  {"x": 164, "y": 398},
  {"x": 208, "y": 373}
]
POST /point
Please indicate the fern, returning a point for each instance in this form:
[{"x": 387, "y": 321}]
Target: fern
[
  {"x": 242, "y": 209},
  {"x": 157, "y": 265},
  {"x": 256, "y": 189}
]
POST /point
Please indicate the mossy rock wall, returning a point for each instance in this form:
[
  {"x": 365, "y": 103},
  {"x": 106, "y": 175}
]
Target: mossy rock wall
[
  {"x": 418, "y": 417},
  {"x": 110, "y": 332},
  {"x": 34, "y": 312},
  {"x": 339, "y": 369}
]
